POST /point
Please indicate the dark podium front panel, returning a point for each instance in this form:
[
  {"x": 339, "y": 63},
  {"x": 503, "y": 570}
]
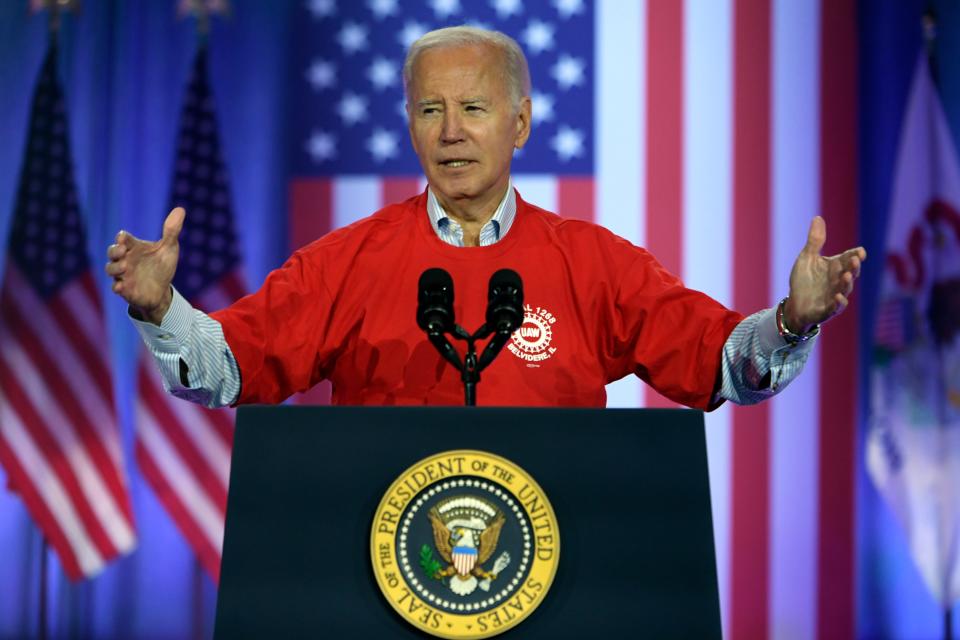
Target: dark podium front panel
[{"x": 629, "y": 489}]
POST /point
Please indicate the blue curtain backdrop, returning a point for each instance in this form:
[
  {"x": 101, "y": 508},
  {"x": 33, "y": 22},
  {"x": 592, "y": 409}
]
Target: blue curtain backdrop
[{"x": 124, "y": 66}]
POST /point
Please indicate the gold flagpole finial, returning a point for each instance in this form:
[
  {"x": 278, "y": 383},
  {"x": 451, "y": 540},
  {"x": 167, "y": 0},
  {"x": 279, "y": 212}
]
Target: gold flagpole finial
[
  {"x": 202, "y": 10},
  {"x": 56, "y": 9}
]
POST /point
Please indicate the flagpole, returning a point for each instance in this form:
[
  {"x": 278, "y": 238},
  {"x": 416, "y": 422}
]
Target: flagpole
[
  {"x": 42, "y": 622},
  {"x": 53, "y": 28}
]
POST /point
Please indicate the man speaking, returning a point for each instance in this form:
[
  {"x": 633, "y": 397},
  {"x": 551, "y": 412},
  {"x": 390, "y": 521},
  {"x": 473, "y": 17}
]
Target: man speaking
[{"x": 597, "y": 307}]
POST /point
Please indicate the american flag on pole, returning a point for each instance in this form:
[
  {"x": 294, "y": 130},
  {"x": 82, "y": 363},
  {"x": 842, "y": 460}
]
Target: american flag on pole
[
  {"x": 708, "y": 131},
  {"x": 59, "y": 440},
  {"x": 183, "y": 450}
]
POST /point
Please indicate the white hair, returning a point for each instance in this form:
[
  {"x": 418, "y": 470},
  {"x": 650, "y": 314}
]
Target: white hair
[{"x": 515, "y": 69}]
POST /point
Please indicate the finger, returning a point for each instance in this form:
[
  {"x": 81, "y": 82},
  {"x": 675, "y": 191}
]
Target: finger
[
  {"x": 846, "y": 283},
  {"x": 116, "y": 251},
  {"x": 816, "y": 236},
  {"x": 172, "y": 226},
  {"x": 855, "y": 266},
  {"x": 841, "y": 302},
  {"x": 116, "y": 269}
]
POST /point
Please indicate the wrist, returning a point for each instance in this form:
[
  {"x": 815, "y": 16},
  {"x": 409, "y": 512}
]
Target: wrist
[
  {"x": 792, "y": 330},
  {"x": 155, "y": 314},
  {"x": 792, "y": 323}
]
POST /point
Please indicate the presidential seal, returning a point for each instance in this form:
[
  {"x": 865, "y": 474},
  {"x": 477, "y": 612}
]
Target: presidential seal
[{"x": 464, "y": 544}]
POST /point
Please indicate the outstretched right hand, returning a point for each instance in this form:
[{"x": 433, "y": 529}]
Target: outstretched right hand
[{"x": 142, "y": 271}]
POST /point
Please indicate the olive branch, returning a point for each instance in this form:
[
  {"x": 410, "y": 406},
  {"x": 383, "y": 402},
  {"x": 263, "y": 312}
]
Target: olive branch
[{"x": 428, "y": 563}]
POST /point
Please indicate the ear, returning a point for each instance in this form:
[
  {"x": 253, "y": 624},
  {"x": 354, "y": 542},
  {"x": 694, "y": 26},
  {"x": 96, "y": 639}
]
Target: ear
[{"x": 524, "y": 116}]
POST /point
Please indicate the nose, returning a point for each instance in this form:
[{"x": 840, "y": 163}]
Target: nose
[{"x": 452, "y": 130}]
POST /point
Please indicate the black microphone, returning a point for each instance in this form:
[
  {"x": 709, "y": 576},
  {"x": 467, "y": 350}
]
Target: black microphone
[
  {"x": 505, "y": 302},
  {"x": 435, "y": 302}
]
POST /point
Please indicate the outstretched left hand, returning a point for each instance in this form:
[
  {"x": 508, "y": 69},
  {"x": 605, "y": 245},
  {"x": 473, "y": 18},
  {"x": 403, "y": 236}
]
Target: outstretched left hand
[{"x": 820, "y": 286}]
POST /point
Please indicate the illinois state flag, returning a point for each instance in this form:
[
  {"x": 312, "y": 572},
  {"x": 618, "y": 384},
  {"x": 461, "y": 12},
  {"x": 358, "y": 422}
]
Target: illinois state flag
[{"x": 913, "y": 445}]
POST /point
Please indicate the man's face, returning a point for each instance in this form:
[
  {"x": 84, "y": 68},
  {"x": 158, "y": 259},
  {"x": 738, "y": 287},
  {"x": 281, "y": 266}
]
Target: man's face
[{"x": 463, "y": 125}]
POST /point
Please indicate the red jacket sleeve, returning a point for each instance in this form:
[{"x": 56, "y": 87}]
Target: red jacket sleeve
[
  {"x": 280, "y": 335},
  {"x": 670, "y": 336}
]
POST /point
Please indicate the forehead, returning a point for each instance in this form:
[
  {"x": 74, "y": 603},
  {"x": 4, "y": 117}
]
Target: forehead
[{"x": 458, "y": 69}]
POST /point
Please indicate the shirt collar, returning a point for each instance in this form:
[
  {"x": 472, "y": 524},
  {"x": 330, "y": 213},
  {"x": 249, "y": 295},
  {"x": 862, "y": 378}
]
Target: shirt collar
[{"x": 450, "y": 231}]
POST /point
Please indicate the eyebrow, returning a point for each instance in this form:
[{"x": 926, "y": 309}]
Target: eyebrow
[{"x": 432, "y": 101}]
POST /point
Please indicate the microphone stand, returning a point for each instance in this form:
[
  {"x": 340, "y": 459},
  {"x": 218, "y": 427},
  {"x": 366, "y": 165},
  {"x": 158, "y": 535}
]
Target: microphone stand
[{"x": 471, "y": 366}]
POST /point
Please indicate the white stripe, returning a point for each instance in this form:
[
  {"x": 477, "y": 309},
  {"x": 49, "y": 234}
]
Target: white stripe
[
  {"x": 50, "y": 490},
  {"x": 538, "y": 189},
  {"x": 355, "y": 197},
  {"x": 62, "y": 430},
  {"x": 708, "y": 220},
  {"x": 197, "y": 427},
  {"x": 92, "y": 325},
  {"x": 179, "y": 477},
  {"x": 794, "y": 415},
  {"x": 71, "y": 367},
  {"x": 84, "y": 314},
  {"x": 620, "y": 108}
]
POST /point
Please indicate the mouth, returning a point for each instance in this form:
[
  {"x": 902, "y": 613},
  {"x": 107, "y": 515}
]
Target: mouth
[{"x": 455, "y": 163}]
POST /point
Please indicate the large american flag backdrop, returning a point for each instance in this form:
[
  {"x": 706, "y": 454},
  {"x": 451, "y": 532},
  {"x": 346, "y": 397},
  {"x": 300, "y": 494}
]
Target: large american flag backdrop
[{"x": 708, "y": 131}]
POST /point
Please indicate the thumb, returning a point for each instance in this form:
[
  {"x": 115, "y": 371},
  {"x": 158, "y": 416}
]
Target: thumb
[
  {"x": 817, "y": 236},
  {"x": 172, "y": 226}
]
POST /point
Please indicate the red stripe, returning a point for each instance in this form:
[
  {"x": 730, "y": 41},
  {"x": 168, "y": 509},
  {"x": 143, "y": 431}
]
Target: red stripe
[
  {"x": 56, "y": 460},
  {"x": 62, "y": 315},
  {"x": 95, "y": 375},
  {"x": 38, "y": 510},
  {"x": 221, "y": 422},
  {"x": 398, "y": 189},
  {"x": 751, "y": 241},
  {"x": 664, "y": 152},
  {"x": 60, "y": 389},
  {"x": 838, "y": 372},
  {"x": 575, "y": 198},
  {"x": 208, "y": 555},
  {"x": 311, "y": 210},
  {"x": 89, "y": 287},
  {"x": 90, "y": 355},
  {"x": 169, "y": 423}
]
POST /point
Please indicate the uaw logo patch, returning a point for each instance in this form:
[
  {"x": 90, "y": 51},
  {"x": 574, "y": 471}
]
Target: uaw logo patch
[
  {"x": 464, "y": 544},
  {"x": 531, "y": 342}
]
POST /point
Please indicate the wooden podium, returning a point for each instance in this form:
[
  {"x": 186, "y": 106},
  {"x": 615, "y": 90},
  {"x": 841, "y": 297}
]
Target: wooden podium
[{"x": 629, "y": 488}]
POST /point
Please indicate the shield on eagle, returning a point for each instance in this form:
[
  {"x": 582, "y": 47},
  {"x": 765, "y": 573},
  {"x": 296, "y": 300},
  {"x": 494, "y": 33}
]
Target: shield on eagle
[{"x": 463, "y": 559}]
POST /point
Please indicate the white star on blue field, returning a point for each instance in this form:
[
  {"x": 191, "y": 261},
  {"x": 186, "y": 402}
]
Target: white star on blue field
[{"x": 349, "y": 109}]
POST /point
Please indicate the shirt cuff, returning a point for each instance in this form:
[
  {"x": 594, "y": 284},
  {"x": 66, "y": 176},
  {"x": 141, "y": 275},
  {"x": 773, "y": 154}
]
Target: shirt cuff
[
  {"x": 171, "y": 335},
  {"x": 772, "y": 342}
]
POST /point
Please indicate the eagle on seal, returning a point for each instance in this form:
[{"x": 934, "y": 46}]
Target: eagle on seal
[{"x": 466, "y": 548}]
